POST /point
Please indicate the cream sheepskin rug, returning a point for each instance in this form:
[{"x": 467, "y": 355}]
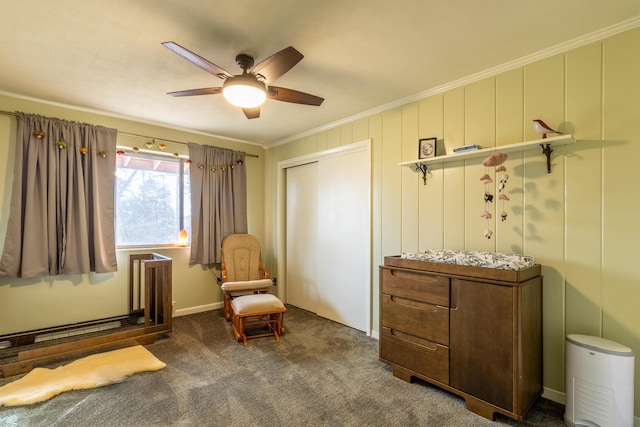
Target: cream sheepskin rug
[{"x": 92, "y": 371}]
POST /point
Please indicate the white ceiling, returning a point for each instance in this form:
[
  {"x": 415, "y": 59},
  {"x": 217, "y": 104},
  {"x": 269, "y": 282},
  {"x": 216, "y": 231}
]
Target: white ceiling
[{"x": 360, "y": 55}]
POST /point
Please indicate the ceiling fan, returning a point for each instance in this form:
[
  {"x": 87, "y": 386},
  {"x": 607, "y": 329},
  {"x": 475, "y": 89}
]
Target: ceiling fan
[{"x": 249, "y": 89}]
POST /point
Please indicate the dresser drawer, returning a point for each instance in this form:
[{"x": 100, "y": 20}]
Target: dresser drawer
[
  {"x": 418, "y": 355},
  {"x": 416, "y": 318},
  {"x": 414, "y": 285}
]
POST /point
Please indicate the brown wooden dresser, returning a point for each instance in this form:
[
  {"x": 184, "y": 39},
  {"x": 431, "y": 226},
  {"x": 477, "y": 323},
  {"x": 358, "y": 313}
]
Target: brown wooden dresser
[{"x": 474, "y": 331}]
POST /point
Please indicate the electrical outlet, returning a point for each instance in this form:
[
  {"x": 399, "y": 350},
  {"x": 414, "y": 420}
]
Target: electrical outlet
[{"x": 275, "y": 281}]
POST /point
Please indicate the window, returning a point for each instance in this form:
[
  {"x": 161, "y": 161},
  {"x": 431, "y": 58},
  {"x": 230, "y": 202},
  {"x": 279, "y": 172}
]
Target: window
[{"x": 153, "y": 202}]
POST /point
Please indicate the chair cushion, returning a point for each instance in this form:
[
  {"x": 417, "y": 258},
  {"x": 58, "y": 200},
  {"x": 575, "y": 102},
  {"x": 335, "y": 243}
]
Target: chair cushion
[
  {"x": 241, "y": 257},
  {"x": 248, "y": 285},
  {"x": 256, "y": 303}
]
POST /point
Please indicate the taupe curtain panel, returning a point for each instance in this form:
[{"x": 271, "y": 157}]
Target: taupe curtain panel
[
  {"x": 218, "y": 200},
  {"x": 61, "y": 218}
]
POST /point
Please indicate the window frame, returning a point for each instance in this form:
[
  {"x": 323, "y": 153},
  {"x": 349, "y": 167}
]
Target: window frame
[{"x": 183, "y": 169}]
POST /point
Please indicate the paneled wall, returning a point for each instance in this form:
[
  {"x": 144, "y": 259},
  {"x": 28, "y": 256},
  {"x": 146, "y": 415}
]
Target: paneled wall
[{"x": 580, "y": 221}]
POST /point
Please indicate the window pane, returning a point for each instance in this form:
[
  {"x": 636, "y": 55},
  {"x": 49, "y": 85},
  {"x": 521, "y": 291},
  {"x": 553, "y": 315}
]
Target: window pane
[
  {"x": 186, "y": 212},
  {"x": 147, "y": 195}
]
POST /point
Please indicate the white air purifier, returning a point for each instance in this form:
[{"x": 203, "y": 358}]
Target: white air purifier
[{"x": 599, "y": 382}]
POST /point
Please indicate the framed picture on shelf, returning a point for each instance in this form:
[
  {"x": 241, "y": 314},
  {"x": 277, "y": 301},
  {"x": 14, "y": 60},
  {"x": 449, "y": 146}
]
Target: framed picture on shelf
[{"x": 427, "y": 148}]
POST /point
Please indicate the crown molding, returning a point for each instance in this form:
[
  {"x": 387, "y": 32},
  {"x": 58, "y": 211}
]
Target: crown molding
[
  {"x": 569, "y": 45},
  {"x": 127, "y": 118}
]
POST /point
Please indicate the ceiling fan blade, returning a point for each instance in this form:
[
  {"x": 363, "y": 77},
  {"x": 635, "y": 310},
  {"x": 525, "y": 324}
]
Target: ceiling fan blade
[
  {"x": 251, "y": 113},
  {"x": 197, "y": 60},
  {"x": 202, "y": 91},
  {"x": 290, "y": 95},
  {"x": 277, "y": 64}
]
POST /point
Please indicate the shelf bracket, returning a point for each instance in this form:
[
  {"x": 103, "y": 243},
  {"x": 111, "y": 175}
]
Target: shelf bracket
[
  {"x": 547, "y": 152},
  {"x": 422, "y": 168}
]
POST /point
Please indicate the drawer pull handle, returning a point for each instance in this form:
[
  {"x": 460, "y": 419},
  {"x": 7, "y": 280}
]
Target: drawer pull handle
[
  {"x": 415, "y": 304},
  {"x": 431, "y": 347}
]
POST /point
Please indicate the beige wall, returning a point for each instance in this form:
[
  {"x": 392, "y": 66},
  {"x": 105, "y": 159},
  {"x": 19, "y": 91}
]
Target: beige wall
[
  {"x": 27, "y": 304},
  {"x": 580, "y": 221}
]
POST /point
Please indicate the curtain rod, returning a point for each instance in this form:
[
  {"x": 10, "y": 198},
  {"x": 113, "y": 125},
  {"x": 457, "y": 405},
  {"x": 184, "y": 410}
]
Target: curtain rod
[{"x": 11, "y": 113}]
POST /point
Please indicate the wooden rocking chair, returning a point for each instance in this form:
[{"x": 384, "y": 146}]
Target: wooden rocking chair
[{"x": 244, "y": 276}]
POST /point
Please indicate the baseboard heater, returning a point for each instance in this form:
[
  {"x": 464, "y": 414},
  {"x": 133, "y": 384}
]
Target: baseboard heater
[
  {"x": 150, "y": 311},
  {"x": 75, "y": 332}
]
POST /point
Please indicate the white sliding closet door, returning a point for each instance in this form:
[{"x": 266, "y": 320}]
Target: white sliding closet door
[
  {"x": 302, "y": 231},
  {"x": 328, "y": 237},
  {"x": 344, "y": 250}
]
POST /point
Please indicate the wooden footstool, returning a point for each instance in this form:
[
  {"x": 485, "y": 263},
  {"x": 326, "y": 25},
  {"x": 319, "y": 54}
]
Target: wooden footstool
[{"x": 257, "y": 315}]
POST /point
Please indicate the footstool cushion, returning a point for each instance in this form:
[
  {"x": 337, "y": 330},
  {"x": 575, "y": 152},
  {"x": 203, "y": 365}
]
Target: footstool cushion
[{"x": 256, "y": 303}]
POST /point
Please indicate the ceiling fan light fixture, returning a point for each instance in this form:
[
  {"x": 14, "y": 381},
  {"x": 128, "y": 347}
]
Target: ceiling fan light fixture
[{"x": 244, "y": 91}]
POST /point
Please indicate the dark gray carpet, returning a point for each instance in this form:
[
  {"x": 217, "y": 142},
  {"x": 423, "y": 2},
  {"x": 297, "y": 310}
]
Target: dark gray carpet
[{"x": 319, "y": 374}]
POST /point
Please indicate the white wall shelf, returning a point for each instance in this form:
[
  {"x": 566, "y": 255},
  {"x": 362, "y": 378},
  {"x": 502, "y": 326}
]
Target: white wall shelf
[{"x": 545, "y": 144}]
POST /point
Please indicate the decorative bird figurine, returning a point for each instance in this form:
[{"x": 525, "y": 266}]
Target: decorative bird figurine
[{"x": 543, "y": 128}]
